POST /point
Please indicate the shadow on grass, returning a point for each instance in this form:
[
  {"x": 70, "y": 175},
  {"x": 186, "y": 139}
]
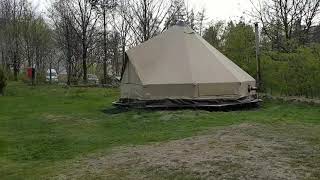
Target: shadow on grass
[
  {"x": 119, "y": 110},
  {"x": 115, "y": 110}
]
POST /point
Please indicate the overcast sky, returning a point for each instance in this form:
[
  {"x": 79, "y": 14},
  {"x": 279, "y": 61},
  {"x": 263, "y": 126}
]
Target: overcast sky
[
  {"x": 222, "y": 9},
  {"x": 215, "y": 9}
]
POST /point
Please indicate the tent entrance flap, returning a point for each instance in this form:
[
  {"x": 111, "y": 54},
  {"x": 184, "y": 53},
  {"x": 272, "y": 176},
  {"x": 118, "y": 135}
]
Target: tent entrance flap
[{"x": 132, "y": 91}]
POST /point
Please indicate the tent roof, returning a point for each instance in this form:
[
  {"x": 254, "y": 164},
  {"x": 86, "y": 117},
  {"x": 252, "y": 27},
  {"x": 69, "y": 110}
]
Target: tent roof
[{"x": 180, "y": 56}]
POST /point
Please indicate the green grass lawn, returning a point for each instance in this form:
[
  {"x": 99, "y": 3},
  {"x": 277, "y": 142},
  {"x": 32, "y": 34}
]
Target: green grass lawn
[{"x": 44, "y": 126}]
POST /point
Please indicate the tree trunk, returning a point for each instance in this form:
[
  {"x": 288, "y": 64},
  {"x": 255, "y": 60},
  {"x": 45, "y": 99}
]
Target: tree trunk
[
  {"x": 145, "y": 37},
  {"x": 15, "y": 71},
  {"x": 104, "y": 47},
  {"x": 15, "y": 56},
  {"x": 69, "y": 61},
  {"x": 259, "y": 84},
  {"x": 84, "y": 54},
  {"x": 50, "y": 73},
  {"x": 69, "y": 73},
  {"x": 15, "y": 65},
  {"x": 123, "y": 53},
  {"x": 84, "y": 65},
  {"x": 2, "y": 59},
  {"x": 29, "y": 56}
]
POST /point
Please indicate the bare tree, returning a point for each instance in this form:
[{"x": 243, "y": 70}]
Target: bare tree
[
  {"x": 122, "y": 23},
  {"x": 85, "y": 17},
  {"x": 177, "y": 12},
  {"x": 103, "y": 7},
  {"x": 42, "y": 44},
  {"x": 28, "y": 38},
  {"x": 114, "y": 44},
  {"x": 286, "y": 19},
  {"x": 191, "y": 19},
  {"x": 214, "y": 34},
  {"x": 25, "y": 36},
  {"x": 5, "y": 17},
  {"x": 12, "y": 18},
  {"x": 200, "y": 18},
  {"x": 147, "y": 17},
  {"x": 65, "y": 35}
]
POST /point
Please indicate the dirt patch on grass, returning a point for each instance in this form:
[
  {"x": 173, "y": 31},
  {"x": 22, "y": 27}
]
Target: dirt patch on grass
[{"x": 245, "y": 151}]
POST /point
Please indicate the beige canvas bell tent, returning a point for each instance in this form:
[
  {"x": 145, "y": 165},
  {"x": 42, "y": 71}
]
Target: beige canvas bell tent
[{"x": 178, "y": 68}]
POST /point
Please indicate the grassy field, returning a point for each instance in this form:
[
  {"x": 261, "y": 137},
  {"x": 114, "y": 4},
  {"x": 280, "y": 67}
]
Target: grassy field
[{"x": 44, "y": 128}]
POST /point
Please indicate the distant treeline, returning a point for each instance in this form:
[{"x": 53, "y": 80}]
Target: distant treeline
[
  {"x": 290, "y": 46},
  {"x": 91, "y": 36},
  {"x": 78, "y": 37}
]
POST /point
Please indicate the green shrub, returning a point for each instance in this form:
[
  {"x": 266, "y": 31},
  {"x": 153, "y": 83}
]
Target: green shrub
[
  {"x": 3, "y": 81},
  {"x": 292, "y": 74}
]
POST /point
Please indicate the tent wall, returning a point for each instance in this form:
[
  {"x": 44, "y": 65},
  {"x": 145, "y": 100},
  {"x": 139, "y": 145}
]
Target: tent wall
[
  {"x": 131, "y": 86},
  {"x": 132, "y": 91},
  {"x": 244, "y": 88},
  {"x": 130, "y": 76},
  {"x": 232, "y": 68},
  {"x": 219, "y": 89},
  {"x": 186, "y": 91},
  {"x": 201, "y": 91},
  {"x": 170, "y": 91}
]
